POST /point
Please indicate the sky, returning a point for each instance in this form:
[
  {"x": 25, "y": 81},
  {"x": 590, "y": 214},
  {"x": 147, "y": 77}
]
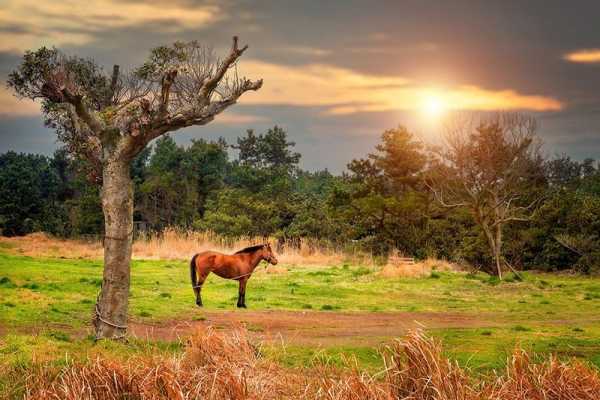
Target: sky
[{"x": 338, "y": 73}]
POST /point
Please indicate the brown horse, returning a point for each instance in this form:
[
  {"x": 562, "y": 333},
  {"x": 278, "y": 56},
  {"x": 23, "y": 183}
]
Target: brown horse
[{"x": 238, "y": 266}]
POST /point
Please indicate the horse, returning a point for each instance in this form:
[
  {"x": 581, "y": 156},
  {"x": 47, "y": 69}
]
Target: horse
[{"x": 238, "y": 266}]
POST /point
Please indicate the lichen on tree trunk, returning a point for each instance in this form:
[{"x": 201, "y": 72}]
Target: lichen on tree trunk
[{"x": 117, "y": 203}]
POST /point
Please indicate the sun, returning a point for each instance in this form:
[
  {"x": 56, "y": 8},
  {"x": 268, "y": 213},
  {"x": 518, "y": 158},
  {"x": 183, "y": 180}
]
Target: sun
[{"x": 433, "y": 106}]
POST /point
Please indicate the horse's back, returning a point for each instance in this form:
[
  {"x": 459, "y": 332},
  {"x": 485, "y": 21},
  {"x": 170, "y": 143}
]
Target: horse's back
[
  {"x": 208, "y": 253},
  {"x": 224, "y": 265},
  {"x": 207, "y": 258},
  {"x": 214, "y": 259}
]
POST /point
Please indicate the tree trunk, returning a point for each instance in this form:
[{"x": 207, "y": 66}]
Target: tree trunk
[
  {"x": 117, "y": 204},
  {"x": 495, "y": 242},
  {"x": 498, "y": 250}
]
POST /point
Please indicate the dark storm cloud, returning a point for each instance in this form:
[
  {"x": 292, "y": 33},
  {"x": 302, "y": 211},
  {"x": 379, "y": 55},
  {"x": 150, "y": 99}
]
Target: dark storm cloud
[{"x": 508, "y": 45}]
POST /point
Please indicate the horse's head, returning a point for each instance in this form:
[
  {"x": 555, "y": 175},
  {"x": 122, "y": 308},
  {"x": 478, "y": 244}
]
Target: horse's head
[{"x": 267, "y": 254}]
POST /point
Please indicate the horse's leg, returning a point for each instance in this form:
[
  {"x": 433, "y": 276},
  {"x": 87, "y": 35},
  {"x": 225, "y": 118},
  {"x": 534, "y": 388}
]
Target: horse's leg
[
  {"x": 242, "y": 293},
  {"x": 198, "y": 289}
]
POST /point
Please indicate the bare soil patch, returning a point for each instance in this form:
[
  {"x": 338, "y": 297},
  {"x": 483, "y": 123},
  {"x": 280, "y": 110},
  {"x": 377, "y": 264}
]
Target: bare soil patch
[{"x": 312, "y": 328}]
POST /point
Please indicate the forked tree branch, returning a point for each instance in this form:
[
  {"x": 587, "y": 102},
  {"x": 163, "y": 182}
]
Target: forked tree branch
[
  {"x": 166, "y": 83},
  {"x": 228, "y": 62},
  {"x": 61, "y": 94}
]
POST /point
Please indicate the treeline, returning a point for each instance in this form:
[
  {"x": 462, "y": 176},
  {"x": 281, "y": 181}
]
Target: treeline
[{"x": 382, "y": 202}]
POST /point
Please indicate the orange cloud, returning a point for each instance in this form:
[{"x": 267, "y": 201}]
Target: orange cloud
[
  {"x": 586, "y": 56},
  {"x": 231, "y": 118},
  {"x": 344, "y": 91},
  {"x": 11, "y": 106},
  {"x": 39, "y": 23}
]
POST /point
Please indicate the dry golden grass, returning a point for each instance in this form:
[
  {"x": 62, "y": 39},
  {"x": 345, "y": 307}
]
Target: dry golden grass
[
  {"x": 43, "y": 245},
  {"x": 227, "y": 366},
  {"x": 417, "y": 269},
  {"x": 552, "y": 379},
  {"x": 214, "y": 366},
  {"x": 173, "y": 244}
]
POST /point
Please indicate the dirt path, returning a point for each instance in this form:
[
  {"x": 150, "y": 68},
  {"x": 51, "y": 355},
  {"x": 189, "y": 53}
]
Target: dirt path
[{"x": 314, "y": 328}]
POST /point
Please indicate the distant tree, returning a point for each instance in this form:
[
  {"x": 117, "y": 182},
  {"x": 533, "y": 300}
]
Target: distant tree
[
  {"x": 109, "y": 120},
  {"x": 493, "y": 168},
  {"x": 28, "y": 187},
  {"x": 381, "y": 200},
  {"x": 269, "y": 150},
  {"x": 249, "y": 151},
  {"x": 238, "y": 212},
  {"x": 563, "y": 172},
  {"x": 167, "y": 195},
  {"x": 206, "y": 163}
]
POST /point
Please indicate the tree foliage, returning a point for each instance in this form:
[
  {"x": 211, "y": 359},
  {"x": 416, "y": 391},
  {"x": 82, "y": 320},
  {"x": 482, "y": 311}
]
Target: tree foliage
[{"x": 381, "y": 203}]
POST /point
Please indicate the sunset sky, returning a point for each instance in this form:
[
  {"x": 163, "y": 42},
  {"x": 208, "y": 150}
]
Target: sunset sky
[{"x": 336, "y": 74}]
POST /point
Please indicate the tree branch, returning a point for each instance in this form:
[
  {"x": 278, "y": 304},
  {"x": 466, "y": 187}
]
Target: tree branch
[
  {"x": 202, "y": 117},
  {"x": 113, "y": 86},
  {"x": 210, "y": 84},
  {"x": 439, "y": 197},
  {"x": 166, "y": 83},
  {"x": 82, "y": 111}
]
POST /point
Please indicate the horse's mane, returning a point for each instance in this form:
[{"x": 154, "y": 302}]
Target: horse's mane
[{"x": 250, "y": 249}]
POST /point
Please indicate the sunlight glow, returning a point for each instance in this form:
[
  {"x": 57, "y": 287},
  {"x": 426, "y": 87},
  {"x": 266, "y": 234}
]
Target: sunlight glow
[{"x": 434, "y": 106}]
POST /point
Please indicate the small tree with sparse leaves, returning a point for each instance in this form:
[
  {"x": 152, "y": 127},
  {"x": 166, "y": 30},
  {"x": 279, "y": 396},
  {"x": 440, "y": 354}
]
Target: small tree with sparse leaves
[{"x": 491, "y": 167}]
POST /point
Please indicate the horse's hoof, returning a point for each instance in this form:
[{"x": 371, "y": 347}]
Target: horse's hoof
[
  {"x": 241, "y": 306},
  {"x": 199, "y": 304}
]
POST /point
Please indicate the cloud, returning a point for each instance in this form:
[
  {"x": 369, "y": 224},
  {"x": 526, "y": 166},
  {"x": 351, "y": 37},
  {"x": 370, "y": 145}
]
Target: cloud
[
  {"x": 343, "y": 91},
  {"x": 307, "y": 51},
  {"x": 586, "y": 56},
  {"x": 34, "y": 23},
  {"x": 231, "y": 118},
  {"x": 11, "y": 106}
]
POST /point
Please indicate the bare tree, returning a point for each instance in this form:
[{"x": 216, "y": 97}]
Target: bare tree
[
  {"x": 109, "y": 119},
  {"x": 490, "y": 166}
]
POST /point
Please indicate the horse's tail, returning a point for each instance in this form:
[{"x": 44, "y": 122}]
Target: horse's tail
[{"x": 193, "y": 276}]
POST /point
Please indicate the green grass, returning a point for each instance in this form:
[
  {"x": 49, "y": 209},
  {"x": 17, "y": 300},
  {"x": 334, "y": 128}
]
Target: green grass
[
  {"x": 368, "y": 358},
  {"x": 542, "y": 312}
]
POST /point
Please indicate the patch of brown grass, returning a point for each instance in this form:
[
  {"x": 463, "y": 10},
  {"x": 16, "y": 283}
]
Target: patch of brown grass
[
  {"x": 174, "y": 244},
  {"x": 552, "y": 379},
  {"x": 418, "y": 370},
  {"x": 227, "y": 366},
  {"x": 214, "y": 366},
  {"x": 43, "y": 245},
  {"x": 417, "y": 269}
]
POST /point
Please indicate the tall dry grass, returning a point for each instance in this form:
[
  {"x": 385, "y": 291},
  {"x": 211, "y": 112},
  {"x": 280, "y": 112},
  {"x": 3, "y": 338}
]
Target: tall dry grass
[
  {"x": 41, "y": 244},
  {"x": 214, "y": 366},
  {"x": 227, "y": 366},
  {"x": 176, "y": 244},
  {"x": 418, "y": 268}
]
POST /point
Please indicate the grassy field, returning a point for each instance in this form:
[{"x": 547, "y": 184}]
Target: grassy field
[{"x": 46, "y": 304}]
